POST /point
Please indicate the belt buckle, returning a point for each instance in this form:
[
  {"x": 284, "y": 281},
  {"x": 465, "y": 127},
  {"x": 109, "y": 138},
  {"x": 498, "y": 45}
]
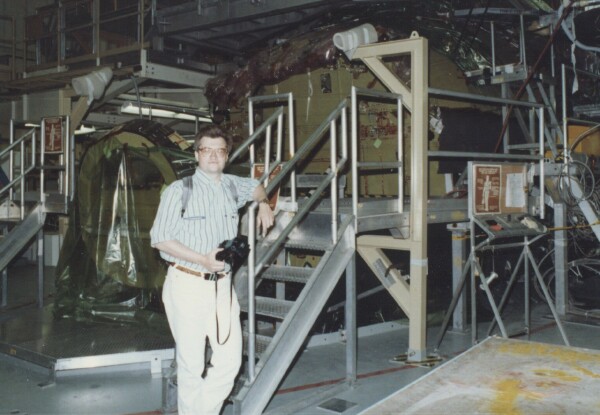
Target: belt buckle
[{"x": 210, "y": 277}]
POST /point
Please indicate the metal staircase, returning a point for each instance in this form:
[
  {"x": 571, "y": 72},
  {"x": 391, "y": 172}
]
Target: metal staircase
[
  {"x": 21, "y": 235},
  {"x": 25, "y": 203},
  {"x": 295, "y": 317},
  {"x": 290, "y": 315}
]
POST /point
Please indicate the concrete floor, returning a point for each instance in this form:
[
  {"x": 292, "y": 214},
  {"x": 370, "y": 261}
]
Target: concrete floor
[{"x": 308, "y": 388}]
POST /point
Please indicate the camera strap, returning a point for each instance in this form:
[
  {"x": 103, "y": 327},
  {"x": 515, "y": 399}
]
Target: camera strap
[{"x": 217, "y": 311}]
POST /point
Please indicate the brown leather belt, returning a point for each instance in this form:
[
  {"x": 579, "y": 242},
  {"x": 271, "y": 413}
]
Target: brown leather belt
[{"x": 209, "y": 276}]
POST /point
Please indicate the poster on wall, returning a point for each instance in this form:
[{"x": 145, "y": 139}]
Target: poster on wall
[
  {"x": 488, "y": 187},
  {"x": 53, "y": 135}
]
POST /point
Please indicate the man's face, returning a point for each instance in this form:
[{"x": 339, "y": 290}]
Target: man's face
[{"x": 212, "y": 155}]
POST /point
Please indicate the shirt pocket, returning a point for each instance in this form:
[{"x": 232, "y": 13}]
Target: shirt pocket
[
  {"x": 194, "y": 221},
  {"x": 193, "y": 225}
]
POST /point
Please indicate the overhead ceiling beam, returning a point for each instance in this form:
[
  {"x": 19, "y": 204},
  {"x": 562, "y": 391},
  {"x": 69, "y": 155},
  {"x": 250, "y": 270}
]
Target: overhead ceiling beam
[
  {"x": 110, "y": 120},
  {"x": 184, "y": 20},
  {"x": 252, "y": 26},
  {"x": 151, "y": 70}
]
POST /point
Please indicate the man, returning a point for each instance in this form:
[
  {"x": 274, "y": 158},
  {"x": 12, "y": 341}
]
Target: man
[{"x": 197, "y": 293}]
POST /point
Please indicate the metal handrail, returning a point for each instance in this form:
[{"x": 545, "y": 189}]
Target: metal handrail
[
  {"x": 29, "y": 141},
  {"x": 289, "y": 97},
  {"x": 355, "y": 92},
  {"x": 97, "y": 51},
  {"x": 330, "y": 179},
  {"x": 66, "y": 164},
  {"x": 24, "y": 171}
]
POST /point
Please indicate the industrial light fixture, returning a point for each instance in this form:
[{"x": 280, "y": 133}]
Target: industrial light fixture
[
  {"x": 84, "y": 130},
  {"x": 147, "y": 110}
]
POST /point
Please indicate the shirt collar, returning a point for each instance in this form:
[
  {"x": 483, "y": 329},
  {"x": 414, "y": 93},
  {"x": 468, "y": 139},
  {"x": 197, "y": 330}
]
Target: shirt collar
[{"x": 204, "y": 178}]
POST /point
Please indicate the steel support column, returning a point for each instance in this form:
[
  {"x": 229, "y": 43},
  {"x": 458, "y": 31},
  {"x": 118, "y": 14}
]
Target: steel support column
[{"x": 415, "y": 99}]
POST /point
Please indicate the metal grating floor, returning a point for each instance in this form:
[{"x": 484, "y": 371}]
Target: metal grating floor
[{"x": 38, "y": 338}]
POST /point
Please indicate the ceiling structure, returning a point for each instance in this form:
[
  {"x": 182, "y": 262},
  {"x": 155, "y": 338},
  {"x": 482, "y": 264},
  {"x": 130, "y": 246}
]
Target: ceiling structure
[
  {"x": 237, "y": 28},
  {"x": 186, "y": 43}
]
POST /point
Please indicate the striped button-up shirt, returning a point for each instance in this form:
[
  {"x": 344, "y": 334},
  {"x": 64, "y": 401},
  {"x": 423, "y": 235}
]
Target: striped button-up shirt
[{"x": 211, "y": 214}]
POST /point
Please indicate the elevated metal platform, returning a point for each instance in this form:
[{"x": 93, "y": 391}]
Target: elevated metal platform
[
  {"x": 382, "y": 212},
  {"x": 61, "y": 345}
]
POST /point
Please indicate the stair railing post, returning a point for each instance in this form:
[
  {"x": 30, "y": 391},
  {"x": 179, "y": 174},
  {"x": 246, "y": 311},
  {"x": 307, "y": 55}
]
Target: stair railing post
[
  {"x": 22, "y": 179},
  {"x": 279, "y": 147},
  {"x": 267, "y": 158},
  {"x": 566, "y": 150},
  {"x": 542, "y": 126},
  {"x": 33, "y": 149},
  {"x": 400, "y": 144},
  {"x": 40, "y": 263},
  {"x": 292, "y": 149},
  {"x": 250, "y": 132},
  {"x": 42, "y": 161},
  {"x": 333, "y": 167},
  {"x": 354, "y": 154},
  {"x": 251, "y": 303},
  {"x": 11, "y": 160},
  {"x": 67, "y": 160},
  {"x": 350, "y": 321}
]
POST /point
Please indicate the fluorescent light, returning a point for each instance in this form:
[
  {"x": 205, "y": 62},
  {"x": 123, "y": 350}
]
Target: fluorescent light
[
  {"x": 32, "y": 125},
  {"x": 130, "y": 108},
  {"x": 85, "y": 130}
]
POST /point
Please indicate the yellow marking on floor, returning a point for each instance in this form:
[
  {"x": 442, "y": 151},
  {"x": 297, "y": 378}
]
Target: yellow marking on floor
[
  {"x": 587, "y": 372},
  {"x": 557, "y": 374},
  {"x": 507, "y": 392},
  {"x": 537, "y": 349}
]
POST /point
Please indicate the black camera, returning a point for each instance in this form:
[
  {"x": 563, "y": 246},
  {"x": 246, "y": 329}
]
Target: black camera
[{"x": 235, "y": 251}]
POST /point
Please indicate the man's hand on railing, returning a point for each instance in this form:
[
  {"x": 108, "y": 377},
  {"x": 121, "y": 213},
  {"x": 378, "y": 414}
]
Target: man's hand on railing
[{"x": 264, "y": 218}]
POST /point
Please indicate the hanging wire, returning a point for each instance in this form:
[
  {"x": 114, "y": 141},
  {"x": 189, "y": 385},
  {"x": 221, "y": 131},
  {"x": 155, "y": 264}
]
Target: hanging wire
[{"x": 480, "y": 24}]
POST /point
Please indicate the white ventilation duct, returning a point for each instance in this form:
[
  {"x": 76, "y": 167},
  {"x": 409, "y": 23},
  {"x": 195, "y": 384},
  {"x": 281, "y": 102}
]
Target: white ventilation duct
[
  {"x": 93, "y": 84},
  {"x": 349, "y": 40}
]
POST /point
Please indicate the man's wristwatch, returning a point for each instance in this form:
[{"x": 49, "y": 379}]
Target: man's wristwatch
[{"x": 265, "y": 200}]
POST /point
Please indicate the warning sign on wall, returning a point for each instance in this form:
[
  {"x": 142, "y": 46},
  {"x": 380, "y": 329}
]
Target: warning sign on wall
[
  {"x": 53, "y": 135},
  {"x": 488, "y": 184}
]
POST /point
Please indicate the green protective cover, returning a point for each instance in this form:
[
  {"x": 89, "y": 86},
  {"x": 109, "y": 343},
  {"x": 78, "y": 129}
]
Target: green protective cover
[{"x": 107, "y": 269}]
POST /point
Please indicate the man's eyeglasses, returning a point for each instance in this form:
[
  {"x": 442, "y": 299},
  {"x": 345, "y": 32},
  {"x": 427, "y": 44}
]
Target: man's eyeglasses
[{"x": 207, "y": 151}]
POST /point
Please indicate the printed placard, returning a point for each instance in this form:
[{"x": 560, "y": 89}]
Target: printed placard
[
  {"x": 53, "y": 135},
  {"x": 488, "y": 187}
]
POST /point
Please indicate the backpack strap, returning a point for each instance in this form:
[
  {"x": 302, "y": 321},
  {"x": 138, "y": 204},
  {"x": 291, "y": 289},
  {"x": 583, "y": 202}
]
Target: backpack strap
[
  {"x": 187, "y": 191},
  {"x": 234, "y": 193}
]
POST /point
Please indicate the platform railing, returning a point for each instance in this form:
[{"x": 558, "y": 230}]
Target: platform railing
[
  {"x": 362, "y": 165},
  {"x": 77, "y": 31},
  {"x": 17, "y": 175},
  {"x": 64, "y": 162}
]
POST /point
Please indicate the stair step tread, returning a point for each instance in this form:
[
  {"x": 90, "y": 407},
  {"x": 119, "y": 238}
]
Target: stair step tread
[
  {"x": 309, "y": 244},
  {"x": 262, "y": 342},
  {"x": 269, "y": 307},
  {"x": 288, "y": 273}
]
